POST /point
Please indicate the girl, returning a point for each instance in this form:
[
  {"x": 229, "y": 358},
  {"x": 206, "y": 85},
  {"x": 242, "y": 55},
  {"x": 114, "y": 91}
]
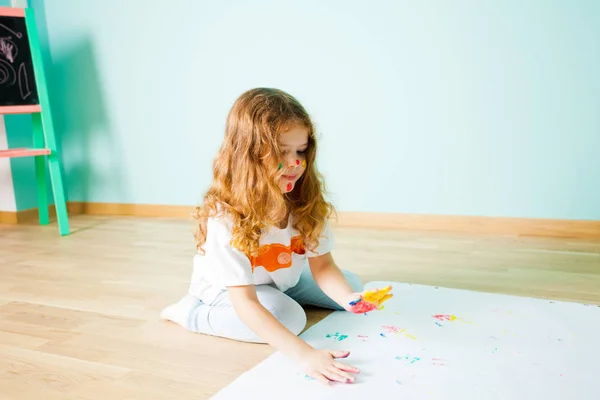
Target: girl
[{"x": 264, "y": 241}]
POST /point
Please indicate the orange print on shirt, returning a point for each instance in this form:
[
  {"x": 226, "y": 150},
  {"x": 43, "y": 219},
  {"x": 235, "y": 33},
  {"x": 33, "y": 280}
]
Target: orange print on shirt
[{"x": 276, "y": 256}]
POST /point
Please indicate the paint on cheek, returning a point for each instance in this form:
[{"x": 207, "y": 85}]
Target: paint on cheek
[
  {"x": 303, "y": 163},
  {"x": 289, "y": 186},
  {"x": 280, "y": 166},
  {"x": 297, "y": 162}
]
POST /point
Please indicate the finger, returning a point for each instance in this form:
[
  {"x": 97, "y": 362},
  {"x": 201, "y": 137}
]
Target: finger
[
  {"x": 386, "y": 298},
  {"x": 383, "y": 293},
  {"x": 346, "y": 367},
  {"x": 371, "y": 296},
  {"x": 334, "y": 376},
  {"x": 347, "y": 377},
  {"x": 339, "y": 353}
]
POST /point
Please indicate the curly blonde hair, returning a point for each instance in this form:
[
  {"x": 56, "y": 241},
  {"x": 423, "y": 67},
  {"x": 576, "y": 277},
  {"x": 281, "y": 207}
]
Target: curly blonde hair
[{"x": 246, "y": 172}]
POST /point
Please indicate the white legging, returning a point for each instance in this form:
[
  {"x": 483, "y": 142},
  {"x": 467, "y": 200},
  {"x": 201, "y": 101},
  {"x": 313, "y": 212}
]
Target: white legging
[{"x": 220, "y": 318}]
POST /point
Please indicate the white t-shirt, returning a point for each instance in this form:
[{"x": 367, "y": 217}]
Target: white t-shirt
[{"x": 282, "y": 257}]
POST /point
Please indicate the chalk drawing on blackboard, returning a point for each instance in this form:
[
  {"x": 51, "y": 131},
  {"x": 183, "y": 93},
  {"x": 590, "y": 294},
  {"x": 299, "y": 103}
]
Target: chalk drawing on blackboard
[
  {"x": 23, "y": 82},
  {"x": 7, "y": 73},
  {"x": 17, "y": 34},
  {"x": 8, "y": 49}
]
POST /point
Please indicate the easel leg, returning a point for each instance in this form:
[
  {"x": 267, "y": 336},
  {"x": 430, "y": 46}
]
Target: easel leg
[
  {"x": 47, "y": 125},
  {"x": 59, "y": 194},
  {"x": 40, "y": 169}
]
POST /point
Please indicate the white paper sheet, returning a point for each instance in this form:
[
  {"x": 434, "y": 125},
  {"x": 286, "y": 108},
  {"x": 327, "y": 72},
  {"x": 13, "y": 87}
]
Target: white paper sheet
[{"x": 498, "y": 347}]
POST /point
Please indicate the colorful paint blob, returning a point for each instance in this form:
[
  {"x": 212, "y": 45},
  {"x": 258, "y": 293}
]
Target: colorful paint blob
[
  {"x": 303, "y": 163},
  {"x": 450, "y": 318},
  {"x": 398, "y": 331},
  {"x": 289, "y": 187},
  {"x": 336, "y": 336},
  {"x": 370, "y": 300},
  {"x": 445, "y": 317},
  {"x": 411, "y": 360},
  {"x": 297, "y": 162},
  {"x": 280, "y": 166}
]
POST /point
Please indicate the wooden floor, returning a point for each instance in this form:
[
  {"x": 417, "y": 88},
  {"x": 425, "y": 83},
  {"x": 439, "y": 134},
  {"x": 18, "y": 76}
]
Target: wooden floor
[{"x": 79, "y": 314}]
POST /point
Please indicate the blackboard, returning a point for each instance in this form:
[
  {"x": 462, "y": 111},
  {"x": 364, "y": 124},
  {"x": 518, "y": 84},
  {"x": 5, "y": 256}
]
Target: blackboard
[{"x": 17, "y": 79}]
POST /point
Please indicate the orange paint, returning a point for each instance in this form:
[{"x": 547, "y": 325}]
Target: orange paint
[{"x": 277, "y": 256}]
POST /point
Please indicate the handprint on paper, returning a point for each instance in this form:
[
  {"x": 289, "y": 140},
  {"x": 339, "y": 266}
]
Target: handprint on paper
[{"x": 370, "y": 300}]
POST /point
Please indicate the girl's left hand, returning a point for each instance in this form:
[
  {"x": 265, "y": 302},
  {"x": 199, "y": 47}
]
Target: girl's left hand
[{"x": 369, "y": 300}]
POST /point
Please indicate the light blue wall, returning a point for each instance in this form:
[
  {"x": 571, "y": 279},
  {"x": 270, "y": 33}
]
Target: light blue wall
[{"x": 473, "y": 108}]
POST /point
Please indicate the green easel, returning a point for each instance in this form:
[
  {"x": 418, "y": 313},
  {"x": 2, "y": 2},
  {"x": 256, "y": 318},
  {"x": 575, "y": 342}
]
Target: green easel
[{"x": 18, "y": 30}]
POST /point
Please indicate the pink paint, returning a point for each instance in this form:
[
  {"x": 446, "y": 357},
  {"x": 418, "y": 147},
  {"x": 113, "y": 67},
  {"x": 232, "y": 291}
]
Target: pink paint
[
  {"x": 12, "y": 12},
  {"x": 19, "y": 109},
  {"x": 393, "y": 329},
  {"x": 361, "y": 306},
  {"x": 445, "y": 317}
]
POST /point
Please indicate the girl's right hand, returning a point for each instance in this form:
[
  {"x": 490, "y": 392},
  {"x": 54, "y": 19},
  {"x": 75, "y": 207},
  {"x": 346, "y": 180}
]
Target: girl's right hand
[{"x": 321, "y": 365}]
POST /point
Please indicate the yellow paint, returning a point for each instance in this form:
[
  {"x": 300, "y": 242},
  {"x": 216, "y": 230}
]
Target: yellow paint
[
  {"x": 303, "y": 163},
  {"x": 377, "y": 296},
  {"x": 410, "y": 336}
]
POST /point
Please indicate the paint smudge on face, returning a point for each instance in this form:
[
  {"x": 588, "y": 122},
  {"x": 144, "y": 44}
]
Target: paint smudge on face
[
  {"x": 289, "y": 187},
  {"x": 280, "y": 166},
  {"x": 297, "y": 162},
  {"x": 303, "y": 163},
  {"x": 336, "y": 336}
]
